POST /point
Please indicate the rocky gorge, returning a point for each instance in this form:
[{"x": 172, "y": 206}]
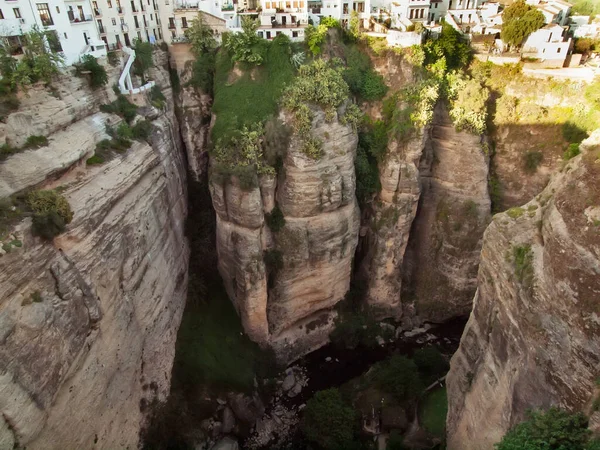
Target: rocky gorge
[{"x": 185, "y": 306}]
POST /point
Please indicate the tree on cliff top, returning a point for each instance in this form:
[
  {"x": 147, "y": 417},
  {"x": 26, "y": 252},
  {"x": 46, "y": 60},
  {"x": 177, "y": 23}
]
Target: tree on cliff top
[
  {"x": 553, "y": 429},
  {"x": 520, "y": 20},
  {"x": 201, "y": 36}
]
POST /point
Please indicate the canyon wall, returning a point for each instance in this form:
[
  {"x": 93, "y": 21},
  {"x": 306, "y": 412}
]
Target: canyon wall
[
  {"x": 442, "y": 257},
  {"x": 88, "y": 321},
  {"x": 532, "y": 337},
  {"x": 290, "y": 308}
]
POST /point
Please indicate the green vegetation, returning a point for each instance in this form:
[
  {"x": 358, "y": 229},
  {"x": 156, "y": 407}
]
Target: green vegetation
[
  {"x": 554, "y": 429},
  {"x": 203, "y": 68},
  {"x": 200, "y": 36},
  {"x": 523, "y": 264},
  {"x": 395, "y": 441},
  {"x": 431, "y": 363},
  {"x": 360, "y": 76},
  {"x": 143, "y": 59},
  {"x": 122, "y": 107},
  {"x": 273, "y": 260},
  {"x": 399, "y": 377},
  {"x": 433, "y": 411},
  {"x": 354, "y": 329},
  {"x": 519, "y": 21},
  {"x": 450, "y": 51},
  {"x": 157, "y": 98},
  {"x": 329, "y": 422},
  {"x": 321, "y": 84},
  {"x": 113, "y": 58},
  {"x": 120, "y": 140},
  {"x": 275, "y": 219},
  {"x": 8, "y": 98},
  {"x": 365, "y": 164},
  {"x": 40, "y": 62},
  {"x": 571, "y": 152},
  {"x": 468, "y": 100},
  {"x": 97, "y": 73},
  {"x": 32, "y": 142},
  {"x": 315, "y": 36},
  {"x": 254, "y": 96},
  {"x": 51, "y": 213},
  {"x": 515, "y": 212},
  {"x": 531, "y": 161},
  {"x": 585, "y": 7},
  {"x": 36, "y": 297},
  {"x": 247, "y": 47}
]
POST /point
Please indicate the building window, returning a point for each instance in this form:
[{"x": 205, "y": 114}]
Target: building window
[
  {"x": 133, "y": 6},
  {"x": 151, "y": 19},
  {"x": 109, "y": 3},
  {"x": 268, "y": 5},
  {"x": 294, "y": 34},
  {"x": 295, "y": 4},
  {"x": 1, "y": 14},
  {"x": 122, "y": 21},
  {"x": 345, "y": 8},
  {"x": 558, "y": 50},
  {"x": 261, "y": 34},
  {"x": 184, "y": 22},
  {"x": 17, "y": 13},
  {"x": 65, "y": 35},
  {"x": 145, "y": 23},
  {"x": 147, "y": 36},
  {"x": 139, "y": 35},
  {"x": 171, "y": 23},
  {"x": 135, "y": 20},
  {"x": 45, "y": 15},
  {"x": 114, "y": 21}
]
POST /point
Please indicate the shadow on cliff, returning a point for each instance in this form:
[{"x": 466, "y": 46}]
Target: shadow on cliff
[{"x": 213, "y": 356}]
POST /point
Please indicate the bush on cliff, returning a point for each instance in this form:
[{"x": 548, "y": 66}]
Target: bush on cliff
[
  {"x": 398, "y": 376},
  {"x": 51, "y": 213},
  {"x": 97, "y": 74},
  {"x": 554, "y": 429}
]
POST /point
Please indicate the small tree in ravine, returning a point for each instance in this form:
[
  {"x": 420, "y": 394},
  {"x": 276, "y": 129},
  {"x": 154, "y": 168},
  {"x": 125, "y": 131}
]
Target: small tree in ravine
[
  {"x": 329, "y": 422},
  {"x": 519, "y": 21},
  {"x": 201, "y": 36},
  {"x": 554, "y": 429}
]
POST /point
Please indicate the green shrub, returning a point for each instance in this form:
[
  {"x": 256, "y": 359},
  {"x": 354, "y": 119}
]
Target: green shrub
[
  {"x": 113, "y": 58},
  {"x": 431, "y": 363},
  {"x": 157, "y": 98},
  {"x": 374, "y": 88},
  {"x": 275, "y": 142},
  {"x": 142, "y": 130},
  {"x": 51, "y": 213},
  {"x": 275, "y": 219},
  {"x": 124, "y": 131},
  {"x": 97, "y": 74},
  {"x": 329, "y": 422},
  {"x": 122, "y": 107},
  {"x": 469, "y": 103},
  {"x": 246, "y": 46},
  {"x": 143, "y": 58},
  {"x": 398, "y": 376},
  {"x": 6, "y": 150},
  {"x": 203, "y": 69},
  {"x": 36, "y": 141},
  {"x": 573, "y": 133},
  {"x": 95, "y": 159},
  {"x": 201, "y": 36},
  {"x": 36, "y": 297},
  {"x": 531, "y": 161},
  {"x": 571, "y": 152},
  {"x": 515, "y": 212},
  {"x": 395, "y": 441},
  {"x": 553, "y": 429},
  {"x": 367, "y": 175},
  {"x": 354, "y": 329},
  {"x": 523, "y": 264}
]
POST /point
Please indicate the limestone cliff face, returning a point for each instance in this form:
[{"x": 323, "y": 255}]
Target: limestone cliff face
[
  {"x": 532, "y": 338},
  {"x": 290, "y": 309},
  {"x": 386, "y": 236},
  {"x": 441, "y": 261},
  {"x": 88, "y": 322}
]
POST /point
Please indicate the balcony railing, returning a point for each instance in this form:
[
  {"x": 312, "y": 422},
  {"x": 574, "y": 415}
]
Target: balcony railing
[
  {"x": 120, "y": 10},
  {"x": 97, "y": 12},
  {"x": 185, "y": 6},
  {"x": 171, "y": 26},
  {"x": 124, "y": 28}
]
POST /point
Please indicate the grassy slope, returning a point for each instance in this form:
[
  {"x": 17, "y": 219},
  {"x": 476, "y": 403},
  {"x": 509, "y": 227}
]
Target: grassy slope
[
  {"x": 254, "y": 96},
  {"x": 433, "y": 410}
]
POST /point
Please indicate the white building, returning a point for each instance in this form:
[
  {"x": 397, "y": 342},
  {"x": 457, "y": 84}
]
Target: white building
[
  {"x": 554, "y": 11},
  {"x": 549, "y": 44},
  {"x": 71, "y": 23},
  {"x": 582, "y": 27}
]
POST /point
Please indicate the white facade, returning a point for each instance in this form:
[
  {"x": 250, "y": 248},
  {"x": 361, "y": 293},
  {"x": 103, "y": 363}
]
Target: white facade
[
  {"x": 582, "y": 28},
  {"x": 554, "y": 11},
  {"x": 548, "y": 43},
  {"x": 72, "y": 22}
]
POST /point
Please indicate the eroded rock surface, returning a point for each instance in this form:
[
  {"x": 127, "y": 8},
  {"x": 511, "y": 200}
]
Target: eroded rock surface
[
  {"x": 532, "y": 338},
  {"x": 290, "y": 309},
  {"x": 441, "y": 261},
  {"x": 88, "y": 322}
]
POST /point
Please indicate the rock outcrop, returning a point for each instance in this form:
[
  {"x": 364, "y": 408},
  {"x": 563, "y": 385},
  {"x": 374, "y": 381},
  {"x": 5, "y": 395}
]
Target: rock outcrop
[
  {"x": 386, "y": 237},
  {"x": 441, "y": 261},
  {"x": 532, "y": 338},
  {"x": 290, "y": 308},
  {"x": 88, "y": 322}
]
